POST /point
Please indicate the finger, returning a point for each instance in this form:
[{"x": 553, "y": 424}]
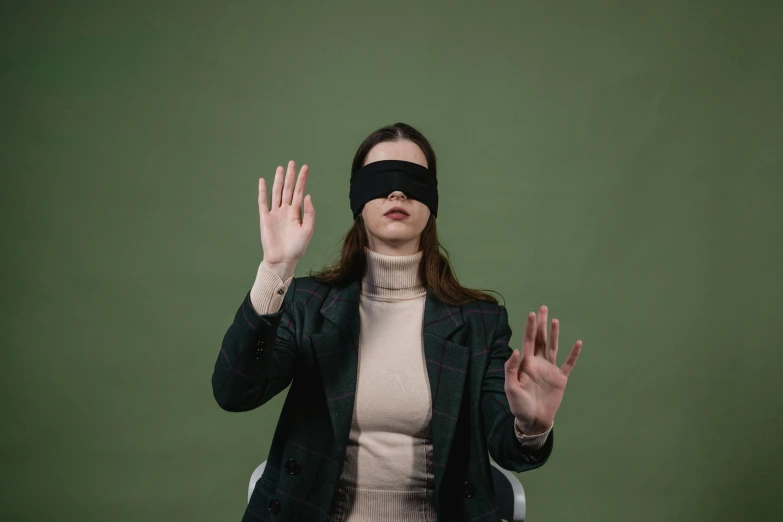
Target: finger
[
  {"x": 540, "y": 346},
  {"x": 308, "y": 222},
  {"x": 277, "y": 188},
  {"x": 511, "y": 366},
  {"x": 569, "y": 363},
  {"x": 530, "y": 335},
  {"x": 551, "y": 349},
  {"x": 288, "y": 186},
  {"x": 301, "y": 182},
  {"x": 262, "y": 208},
  {"x": 521, "y": 370}
]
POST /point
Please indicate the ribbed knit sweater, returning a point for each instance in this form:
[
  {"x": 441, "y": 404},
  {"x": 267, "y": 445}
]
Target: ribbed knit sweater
[{"x": 387, "y": 474}]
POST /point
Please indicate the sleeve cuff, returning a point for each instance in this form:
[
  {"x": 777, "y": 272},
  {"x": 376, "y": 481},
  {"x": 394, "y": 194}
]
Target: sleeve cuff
[
  {"x": 532, "y": 442},
  {"x": 268, "y": 291}
]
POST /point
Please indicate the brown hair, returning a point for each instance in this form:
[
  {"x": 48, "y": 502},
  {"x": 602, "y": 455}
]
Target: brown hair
[{"x": 435, "y": 268}]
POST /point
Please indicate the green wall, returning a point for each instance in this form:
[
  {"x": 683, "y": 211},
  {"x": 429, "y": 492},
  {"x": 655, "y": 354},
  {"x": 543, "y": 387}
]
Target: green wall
[{"x": 617, "y": 161}]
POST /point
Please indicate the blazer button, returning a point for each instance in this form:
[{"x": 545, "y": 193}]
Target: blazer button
[
  {"x": 468, "y": 490},
  {"x": 292, "y": 467},
  {"x": 274, "y": 506},
  {"x": 280, "y": 291}
]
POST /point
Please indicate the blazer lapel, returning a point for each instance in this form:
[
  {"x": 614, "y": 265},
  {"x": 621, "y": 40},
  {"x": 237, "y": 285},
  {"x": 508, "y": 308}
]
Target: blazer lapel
[
  {"x": 447, "y": 367},
  {"x": 336, "y": 352}
]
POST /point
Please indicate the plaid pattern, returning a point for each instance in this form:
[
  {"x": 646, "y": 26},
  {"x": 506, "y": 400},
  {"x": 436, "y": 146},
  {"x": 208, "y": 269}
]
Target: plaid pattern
[{"x": 311, "y": 344}]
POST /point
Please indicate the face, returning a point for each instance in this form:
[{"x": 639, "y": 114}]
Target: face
[{"x": 395, "y": 236}]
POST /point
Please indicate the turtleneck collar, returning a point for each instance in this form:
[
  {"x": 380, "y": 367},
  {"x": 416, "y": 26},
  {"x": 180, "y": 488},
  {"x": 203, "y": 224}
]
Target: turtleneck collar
[{"x": 392, "y": 278}]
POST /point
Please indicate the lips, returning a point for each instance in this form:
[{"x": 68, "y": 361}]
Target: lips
[{"x": 395, "y": 210}]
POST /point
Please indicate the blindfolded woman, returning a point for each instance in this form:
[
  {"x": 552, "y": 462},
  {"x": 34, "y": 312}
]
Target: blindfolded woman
[{"x": 402, "y": 380}]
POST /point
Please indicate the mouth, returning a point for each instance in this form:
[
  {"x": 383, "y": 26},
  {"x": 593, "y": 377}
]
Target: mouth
[{"x": 396, "y": 213}]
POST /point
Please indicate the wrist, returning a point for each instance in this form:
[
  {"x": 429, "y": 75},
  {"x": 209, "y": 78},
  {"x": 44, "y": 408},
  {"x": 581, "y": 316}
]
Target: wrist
[
  {"x": 282, "y": 270},
  {"x": 532, "y": 428}
]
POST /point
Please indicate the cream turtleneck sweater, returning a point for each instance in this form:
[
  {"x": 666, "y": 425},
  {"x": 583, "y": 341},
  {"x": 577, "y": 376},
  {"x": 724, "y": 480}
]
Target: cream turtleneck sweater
[{"x": 387, "y": 473}]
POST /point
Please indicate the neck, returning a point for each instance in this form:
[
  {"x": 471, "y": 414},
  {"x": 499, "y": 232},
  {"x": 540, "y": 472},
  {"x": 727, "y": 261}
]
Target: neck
[{"x": 392, "y": 277}]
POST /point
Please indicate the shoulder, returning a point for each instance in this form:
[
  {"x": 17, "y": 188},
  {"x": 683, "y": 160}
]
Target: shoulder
[
  {"x": 480, "y": 308},
  {"x": 489, "y": 316}
]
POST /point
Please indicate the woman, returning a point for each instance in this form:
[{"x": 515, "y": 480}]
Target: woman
[{"x": 402, "y": 381}]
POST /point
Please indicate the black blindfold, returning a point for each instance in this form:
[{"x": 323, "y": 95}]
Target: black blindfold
[{"x": 380, "y": 178}]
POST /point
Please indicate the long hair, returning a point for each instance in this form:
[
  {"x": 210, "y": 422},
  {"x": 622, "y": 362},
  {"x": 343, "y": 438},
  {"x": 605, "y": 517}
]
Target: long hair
[{"x": 435, "y": 268}]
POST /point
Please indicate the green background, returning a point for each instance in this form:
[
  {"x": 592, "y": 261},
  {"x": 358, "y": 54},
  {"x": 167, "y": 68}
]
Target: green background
[{"x": 617, "y": 161}]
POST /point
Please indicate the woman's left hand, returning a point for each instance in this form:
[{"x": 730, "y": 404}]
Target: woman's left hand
[{"x": 535, "y": 389}]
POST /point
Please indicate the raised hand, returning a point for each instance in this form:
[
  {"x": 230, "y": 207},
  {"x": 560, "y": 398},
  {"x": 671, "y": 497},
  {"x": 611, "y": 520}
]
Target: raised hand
[
  {"x": 535, "y": 387},
  {"x": 285, "y": 234}
]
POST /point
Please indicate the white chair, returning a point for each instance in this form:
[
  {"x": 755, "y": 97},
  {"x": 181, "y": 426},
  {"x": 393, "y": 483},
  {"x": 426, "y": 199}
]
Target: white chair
[{"x": 508, "y": 489}]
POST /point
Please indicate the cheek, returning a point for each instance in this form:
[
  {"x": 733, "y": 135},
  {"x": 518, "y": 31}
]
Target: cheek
[
  {"x": 422, "y": 214},
  {"x": 373, "y": 210}
]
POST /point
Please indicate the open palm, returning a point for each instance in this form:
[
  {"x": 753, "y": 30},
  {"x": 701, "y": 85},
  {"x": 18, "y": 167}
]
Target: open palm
[
  {"x": 285, "y": 232},
  {"x": 535, "y": 387}
]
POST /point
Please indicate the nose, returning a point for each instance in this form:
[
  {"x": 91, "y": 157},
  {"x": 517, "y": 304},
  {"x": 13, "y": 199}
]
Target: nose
[{"x": 397, "y": 194}]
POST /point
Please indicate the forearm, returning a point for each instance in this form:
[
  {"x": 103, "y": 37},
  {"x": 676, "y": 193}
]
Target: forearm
[
  {"x": 256, "y": 356},
  {"x": 505, "y": 446}
]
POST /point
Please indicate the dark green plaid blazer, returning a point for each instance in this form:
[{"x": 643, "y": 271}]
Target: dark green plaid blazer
[{"x": 311, "y": 343}]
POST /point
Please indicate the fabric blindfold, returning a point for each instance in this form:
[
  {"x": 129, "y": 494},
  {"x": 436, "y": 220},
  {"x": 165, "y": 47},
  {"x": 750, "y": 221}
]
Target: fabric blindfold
[{"x": 381, "y": 178}]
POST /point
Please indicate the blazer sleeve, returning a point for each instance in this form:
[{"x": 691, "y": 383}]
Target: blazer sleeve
[
  {"x": 257, "y": 356},
  {"x": 503, "y": 445}
]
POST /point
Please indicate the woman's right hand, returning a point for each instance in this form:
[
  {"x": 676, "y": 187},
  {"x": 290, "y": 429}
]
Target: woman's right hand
[{"x": 284, "y": 233}]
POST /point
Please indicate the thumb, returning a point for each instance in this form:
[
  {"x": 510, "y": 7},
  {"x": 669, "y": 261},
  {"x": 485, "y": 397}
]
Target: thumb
[
  {"x": 511, "y": 365},
  {"x": 308, "y": 221}
]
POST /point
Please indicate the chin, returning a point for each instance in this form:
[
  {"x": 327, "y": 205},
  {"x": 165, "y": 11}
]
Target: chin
[{"x": 395, "y": 238}]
